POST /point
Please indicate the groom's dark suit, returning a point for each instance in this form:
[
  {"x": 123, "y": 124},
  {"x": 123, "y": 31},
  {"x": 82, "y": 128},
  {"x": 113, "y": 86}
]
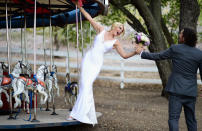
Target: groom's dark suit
[{"x": 182, "y": 83}]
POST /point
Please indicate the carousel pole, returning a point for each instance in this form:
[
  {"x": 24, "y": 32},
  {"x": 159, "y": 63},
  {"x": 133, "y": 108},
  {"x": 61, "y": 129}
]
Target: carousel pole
[
  {"x": 90, "y": 35},
  {"x": 77, "y": 42},
  {"x": 26, "y": 59},
  {"x": 81, "y": 33},
  {"x": 51, "y": 63},
  {"x": 50, "y": 35},
  {"x": 35, "y": 91},
  {"x": 10, "y": 38},
  {"x": 25, "y": 37},
  {"x": 44, "y": 49},
  {"x": 44, "y": 46},
  {"x": 21, "y": 36},
  {"x": 9, "y": 67},
  {"x": 67, "y": 57}
]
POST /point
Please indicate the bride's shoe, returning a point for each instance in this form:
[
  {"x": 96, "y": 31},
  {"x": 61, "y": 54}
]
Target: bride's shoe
[{"x": 70, "y": 118}]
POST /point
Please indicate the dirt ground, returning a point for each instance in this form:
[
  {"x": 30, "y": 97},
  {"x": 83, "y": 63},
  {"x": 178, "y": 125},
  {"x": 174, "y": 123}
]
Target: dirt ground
[
  {"x": 135, "y": 108},
  {"x": 138, "y": 107}
]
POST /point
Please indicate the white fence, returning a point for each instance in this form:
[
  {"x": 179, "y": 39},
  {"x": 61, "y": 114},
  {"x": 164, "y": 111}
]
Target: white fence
[{"x": 121, "y": 67}]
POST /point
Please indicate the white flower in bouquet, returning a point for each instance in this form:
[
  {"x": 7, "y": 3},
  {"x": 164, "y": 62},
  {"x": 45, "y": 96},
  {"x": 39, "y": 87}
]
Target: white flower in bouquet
[{"x": 141, "y": 38}]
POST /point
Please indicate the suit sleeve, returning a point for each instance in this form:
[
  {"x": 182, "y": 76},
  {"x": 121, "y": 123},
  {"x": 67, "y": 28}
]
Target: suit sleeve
[{"x": 166, "y": 54}]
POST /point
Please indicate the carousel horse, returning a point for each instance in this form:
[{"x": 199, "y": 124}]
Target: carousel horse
[
  {"x": 17, "y": 70},
  {"x": 51, "y": 79},
  {"x": 3, "y": 67},
  {"x": 40, "y": 79},
  {"x": 7, "y": 96},
  {"x": 71, "y": 91},
  {"x": 9, "y": 82},
  {"x": 24, "y": 84}
]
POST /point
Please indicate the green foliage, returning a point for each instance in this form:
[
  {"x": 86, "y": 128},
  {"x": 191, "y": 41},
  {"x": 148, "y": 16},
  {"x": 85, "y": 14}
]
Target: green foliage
[
  {"x": 114, "y": 15},
  {"x": 200, "y": 4},
  {"x": 135, "y": 12},
  {"x": 200, "y": 18},
  {"x": 171, "y": 16},
  {"x": 63, "y": 38},
  {"x": 200, "y": 37}
]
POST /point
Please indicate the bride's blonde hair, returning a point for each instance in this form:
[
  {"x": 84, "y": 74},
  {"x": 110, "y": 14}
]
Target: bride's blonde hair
[{"x": 118, "y": 24}]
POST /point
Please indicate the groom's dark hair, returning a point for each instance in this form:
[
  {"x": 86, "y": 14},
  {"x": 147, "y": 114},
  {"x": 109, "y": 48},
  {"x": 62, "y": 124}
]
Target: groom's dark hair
[{"x": 190, "y": 37}]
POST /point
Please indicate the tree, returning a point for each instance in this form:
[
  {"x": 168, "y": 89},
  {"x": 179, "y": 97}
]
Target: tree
[
  {"x": 156, "y": 26},
  {"x": 151, "y": 13},
  {"x": 189, "y": 13},
  {"x": 162, "y": 28}
]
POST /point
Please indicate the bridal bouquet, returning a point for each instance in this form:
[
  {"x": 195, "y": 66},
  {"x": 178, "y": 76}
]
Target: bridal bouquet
[{"x": 141, "y": 38}]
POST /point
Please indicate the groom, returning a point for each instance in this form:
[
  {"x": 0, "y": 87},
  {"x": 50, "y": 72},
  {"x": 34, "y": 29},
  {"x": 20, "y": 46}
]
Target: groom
[{"x": 182, "y": 83}]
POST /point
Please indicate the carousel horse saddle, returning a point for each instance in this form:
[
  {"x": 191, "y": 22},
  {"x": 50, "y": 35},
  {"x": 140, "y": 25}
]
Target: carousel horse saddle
[
  {"x": 52, "y": 73},
  {"x": 6, "y": 81},
  {"x": 29, "y": 81},
  {"x": 39, "y": 81}
]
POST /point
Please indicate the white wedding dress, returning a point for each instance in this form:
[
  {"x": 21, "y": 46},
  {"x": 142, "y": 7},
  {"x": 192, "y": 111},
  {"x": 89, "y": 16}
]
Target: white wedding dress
[{"x": 84, "y": 108}]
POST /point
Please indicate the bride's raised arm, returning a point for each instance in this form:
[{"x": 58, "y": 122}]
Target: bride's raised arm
[{"x": 95, "y": 25}]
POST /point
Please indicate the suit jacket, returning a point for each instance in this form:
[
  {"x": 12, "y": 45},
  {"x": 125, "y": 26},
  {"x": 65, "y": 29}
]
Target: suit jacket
[{"x": 186, "y": 61}]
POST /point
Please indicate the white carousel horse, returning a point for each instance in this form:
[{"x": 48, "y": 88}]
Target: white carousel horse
[
  {"x": 14, "y": 75},
  {"x": 17, "y": 70},
  {"x": 9, "y": 82},
  {"x": 40, "y": 77},
  {"x": 51, "y": 79},
  {"x": 3, "y": 67},
  {"x": 71, "y": 91},
  {"x": 24, "y": 84}
]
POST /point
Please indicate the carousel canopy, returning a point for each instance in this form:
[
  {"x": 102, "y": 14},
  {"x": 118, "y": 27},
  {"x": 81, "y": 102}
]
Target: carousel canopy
[{"x": 61, "y": 12}]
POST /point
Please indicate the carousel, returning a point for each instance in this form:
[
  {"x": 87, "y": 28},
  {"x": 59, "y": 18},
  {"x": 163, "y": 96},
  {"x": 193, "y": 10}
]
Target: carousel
[{"x": 23, "y": 89}]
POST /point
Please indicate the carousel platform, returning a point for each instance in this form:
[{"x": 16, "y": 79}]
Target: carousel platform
[{"x": 45, "y": 120}]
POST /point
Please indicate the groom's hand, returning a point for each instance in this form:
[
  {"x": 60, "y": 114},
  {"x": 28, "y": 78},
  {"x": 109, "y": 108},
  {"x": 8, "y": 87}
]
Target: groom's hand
[{"x": 139, "y": 48}]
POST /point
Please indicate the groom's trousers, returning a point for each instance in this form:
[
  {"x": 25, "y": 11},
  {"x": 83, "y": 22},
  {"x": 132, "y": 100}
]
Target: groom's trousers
[{"x": 176, "y": 102}]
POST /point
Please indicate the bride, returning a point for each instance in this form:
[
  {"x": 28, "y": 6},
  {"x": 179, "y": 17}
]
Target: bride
[{"x": 84, "y": 108}]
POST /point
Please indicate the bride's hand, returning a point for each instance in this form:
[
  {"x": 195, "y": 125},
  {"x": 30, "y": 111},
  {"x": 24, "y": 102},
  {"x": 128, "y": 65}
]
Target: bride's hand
[
  {"x": 133, "y": 42},
  {"x": 76, "y": 2}
]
